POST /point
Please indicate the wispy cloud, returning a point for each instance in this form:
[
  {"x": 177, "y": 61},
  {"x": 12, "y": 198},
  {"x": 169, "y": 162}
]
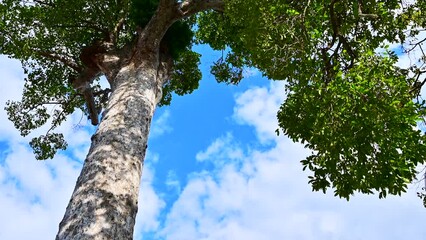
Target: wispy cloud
[
  {"x": 150, "y": 205},
  {"x": 250, "y": 72},
  {"x": 172, "y": 181},
  {"x": 225, "y": 148},
  {"x": 160, "y": 125}
]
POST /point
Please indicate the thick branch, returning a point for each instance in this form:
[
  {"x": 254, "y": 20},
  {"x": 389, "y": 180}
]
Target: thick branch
[
  {"x": 191, "y": 7},
  {"x": 150, "y": 37},
  {"x": 50, "y": 4},
  {"x": 168, "y": 12},
  {"x": 91, "y": 105},
  {"x": 164, "y": 73},
  {"x": 96, "y": 61},
  {"x": 82, "y": 85},
  {"x": 368, "y": 15},
  {"x": 116, "y": 32},
  {"x": 165, "y": 68}
]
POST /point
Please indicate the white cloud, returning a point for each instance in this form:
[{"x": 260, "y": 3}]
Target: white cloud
[
  {"x": 160, "y": 125},
  {"x": 215, "y": 152},
  {"x": 150, "y": 205},
  {"x": 266, "y": 194},
  {"x": 33, "y": 194},
  {"x": 11, "y": 89},
  {"x": 172, "y": 181},
  {"x": 253, "y": 108},
  {"x": 250, "y": 72}
]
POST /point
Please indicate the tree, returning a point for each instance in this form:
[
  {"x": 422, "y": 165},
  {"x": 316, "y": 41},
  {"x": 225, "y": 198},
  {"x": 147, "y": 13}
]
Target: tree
[{"x": 346, "y": 100}]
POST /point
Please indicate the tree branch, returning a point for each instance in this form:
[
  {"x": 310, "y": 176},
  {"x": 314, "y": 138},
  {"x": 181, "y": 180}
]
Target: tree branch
[
  {"x": 50, "y": 4},
  {"x": 164, "y": 70},
  {"x": 57, "y": 57},
  {"x": 91, "y": 105},
  {"x": 361, "y": 14},
  {"x": 168, "y": 12},
  {"x": 82, "y": 85},
  {"x": 116, "y": 32},
  {"x": 191, "y": 7}
]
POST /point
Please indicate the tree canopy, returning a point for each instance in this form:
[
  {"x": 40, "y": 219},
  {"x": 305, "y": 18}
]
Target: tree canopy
[
  {"x": 56, "y": 39},
  {"x": 347, "y": 100}
]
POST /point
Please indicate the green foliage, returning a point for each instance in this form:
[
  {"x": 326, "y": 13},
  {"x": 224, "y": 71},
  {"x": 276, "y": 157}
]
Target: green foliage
[
  {"x": 141, "y": 11},
  {"x": 361, "y": 127},
  {"x": 422, "y": 195},
  {"x": 216, "y": 30},
  {"x": 347, "y": 102},
  {"x": 185, "y": 78},
  {"x": 229, "y": 70},
  {"x": 46, "y": 146},
  {"x": 44, "y": 87},
  {"x": 179, "y": 38}
]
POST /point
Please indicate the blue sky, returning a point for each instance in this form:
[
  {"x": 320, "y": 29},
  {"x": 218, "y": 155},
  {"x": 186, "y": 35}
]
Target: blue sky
[{"x": 214, "y": 170}]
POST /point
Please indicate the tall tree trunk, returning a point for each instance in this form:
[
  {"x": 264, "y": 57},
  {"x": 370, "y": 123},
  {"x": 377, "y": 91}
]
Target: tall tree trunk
[{"x": 105, "y": 200}]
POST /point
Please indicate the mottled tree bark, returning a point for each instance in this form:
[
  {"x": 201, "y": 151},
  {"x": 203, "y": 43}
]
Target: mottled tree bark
[{"x": 104, "y": 202}]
